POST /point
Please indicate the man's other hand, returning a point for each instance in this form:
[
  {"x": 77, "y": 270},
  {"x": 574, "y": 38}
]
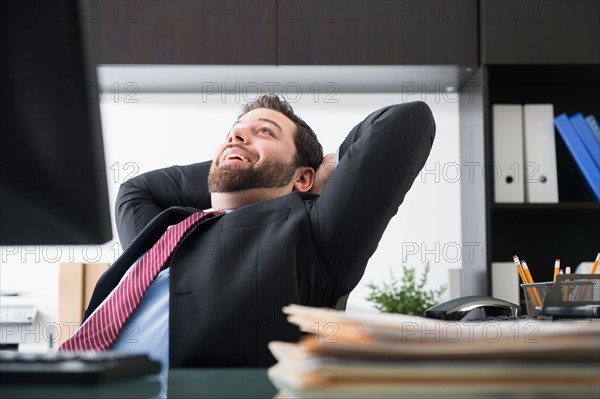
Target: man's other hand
[{"x": 324, "y": 172}]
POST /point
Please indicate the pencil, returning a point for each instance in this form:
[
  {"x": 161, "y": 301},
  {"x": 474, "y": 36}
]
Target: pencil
[
  {"x": 596, "y": 263},
  {"x": 532, "y": 291},
  {"x": 526, "y": 270},
  {"x": 556, "y": 268},
  {"x": 536, "y": 297},
  {"x": 520, "y": 269}
]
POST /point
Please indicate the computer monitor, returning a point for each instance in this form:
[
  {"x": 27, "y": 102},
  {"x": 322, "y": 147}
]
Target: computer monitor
[{"x": 52, "y": 178}]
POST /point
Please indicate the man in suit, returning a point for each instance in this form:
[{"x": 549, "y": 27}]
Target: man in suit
[{"x": 280, "y": 242}]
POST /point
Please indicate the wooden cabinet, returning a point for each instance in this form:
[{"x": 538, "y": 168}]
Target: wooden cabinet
[
  {"x": 349, "y": 32},
  {"x": 182, "y": 32},
  {"x": 540, "y": 32},
  {"x": 377, "y": 32},
  {"x": 282, "y": 32}
]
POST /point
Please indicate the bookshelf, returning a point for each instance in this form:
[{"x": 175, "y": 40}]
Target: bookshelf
[{"x": 539, "y": 233}]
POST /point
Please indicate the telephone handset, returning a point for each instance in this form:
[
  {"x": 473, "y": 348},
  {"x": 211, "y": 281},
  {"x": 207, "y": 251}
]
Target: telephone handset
[{"x": 473, "y": 308}]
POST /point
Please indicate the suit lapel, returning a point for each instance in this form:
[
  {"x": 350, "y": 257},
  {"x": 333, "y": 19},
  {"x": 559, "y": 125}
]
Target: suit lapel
[{"x": 142, "y": 243}]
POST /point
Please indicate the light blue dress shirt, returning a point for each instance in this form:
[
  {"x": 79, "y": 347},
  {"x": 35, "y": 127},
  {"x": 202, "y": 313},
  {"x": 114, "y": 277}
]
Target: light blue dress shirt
[{"x": 147, "y": 329}]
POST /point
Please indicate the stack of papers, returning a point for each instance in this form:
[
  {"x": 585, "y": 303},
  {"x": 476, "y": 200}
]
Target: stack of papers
[{"x": 395, "y": 356}]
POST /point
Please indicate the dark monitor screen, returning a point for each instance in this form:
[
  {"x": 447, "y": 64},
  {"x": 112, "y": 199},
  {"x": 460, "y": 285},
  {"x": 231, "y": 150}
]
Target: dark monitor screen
[{"x": 52, "y": 177}]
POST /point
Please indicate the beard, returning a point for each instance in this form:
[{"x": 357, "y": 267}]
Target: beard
[{"x": 231, "y": 178}]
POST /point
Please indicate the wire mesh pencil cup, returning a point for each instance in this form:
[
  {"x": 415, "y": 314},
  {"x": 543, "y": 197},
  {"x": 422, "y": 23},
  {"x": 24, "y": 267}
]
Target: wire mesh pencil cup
[
  {"x": 535, "y": 294},
  {"x": 572, "y": 290}
]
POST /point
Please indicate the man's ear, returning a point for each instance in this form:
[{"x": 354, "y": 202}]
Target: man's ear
[{"x": 304, "y": 179}]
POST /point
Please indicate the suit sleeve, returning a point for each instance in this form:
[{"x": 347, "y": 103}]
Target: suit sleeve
[
  {"x": 379, "y": 160},
  {"x": 142, "y": 198}
]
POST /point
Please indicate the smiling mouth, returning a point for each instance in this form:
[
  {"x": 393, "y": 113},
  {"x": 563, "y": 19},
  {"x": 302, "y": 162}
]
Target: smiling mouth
[{"x": 236, "y": 157}]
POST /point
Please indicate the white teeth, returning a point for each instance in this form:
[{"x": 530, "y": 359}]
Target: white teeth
[{"x": 235, "y": 156}]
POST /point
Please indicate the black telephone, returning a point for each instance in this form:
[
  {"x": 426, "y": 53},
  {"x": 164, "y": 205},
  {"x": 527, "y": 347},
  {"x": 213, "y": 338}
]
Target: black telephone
[{"x": 473, "y": 308}]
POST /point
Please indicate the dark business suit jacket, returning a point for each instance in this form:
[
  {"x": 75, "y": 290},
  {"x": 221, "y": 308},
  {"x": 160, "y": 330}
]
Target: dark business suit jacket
[{"x": 231, "y": 276}]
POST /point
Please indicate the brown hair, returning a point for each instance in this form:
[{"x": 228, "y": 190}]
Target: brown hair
[{"x": 309, "y": 151}]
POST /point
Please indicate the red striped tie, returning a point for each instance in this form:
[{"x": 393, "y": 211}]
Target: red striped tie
[{"x": 102, "y": 328}]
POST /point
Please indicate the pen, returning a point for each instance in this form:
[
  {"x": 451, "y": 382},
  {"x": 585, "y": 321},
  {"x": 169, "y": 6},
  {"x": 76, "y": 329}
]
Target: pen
[{"x": 556, "y": 268}]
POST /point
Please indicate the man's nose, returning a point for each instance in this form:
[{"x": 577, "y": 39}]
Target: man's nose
[{"x": 237, "y": 136}]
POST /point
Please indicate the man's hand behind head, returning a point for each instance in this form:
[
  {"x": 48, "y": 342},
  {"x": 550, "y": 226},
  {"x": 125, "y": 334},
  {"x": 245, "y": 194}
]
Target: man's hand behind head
[{"x": 324, "y": 172}]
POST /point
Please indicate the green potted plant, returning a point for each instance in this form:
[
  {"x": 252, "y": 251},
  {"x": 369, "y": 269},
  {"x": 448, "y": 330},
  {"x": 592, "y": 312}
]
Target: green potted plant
[{"x": 406, "y": 296}]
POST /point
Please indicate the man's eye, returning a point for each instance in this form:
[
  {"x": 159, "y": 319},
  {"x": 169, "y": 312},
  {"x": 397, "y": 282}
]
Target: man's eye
[{"x": 264, "y": 130}]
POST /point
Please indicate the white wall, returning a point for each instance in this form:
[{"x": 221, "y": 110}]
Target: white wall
[{"x": 165, "y": 129}]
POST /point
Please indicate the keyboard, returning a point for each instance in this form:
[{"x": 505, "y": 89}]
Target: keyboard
[{"x": 73, "y": 367}]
